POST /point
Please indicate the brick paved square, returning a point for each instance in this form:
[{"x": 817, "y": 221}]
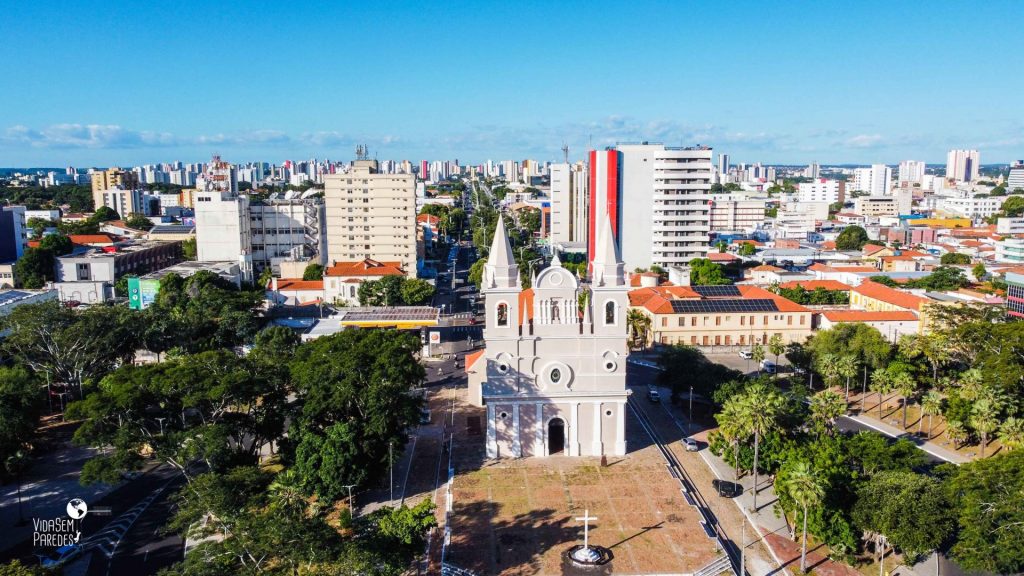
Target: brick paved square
[{"x": 516, "y": 517}]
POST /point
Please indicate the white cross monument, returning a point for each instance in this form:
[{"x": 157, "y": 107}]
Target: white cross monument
[{"x": 586, "y": 554}]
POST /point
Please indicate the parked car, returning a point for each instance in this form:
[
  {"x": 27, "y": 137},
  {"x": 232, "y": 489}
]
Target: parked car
[
  {"x": 769, "y": 367},
  {"x": 691, "y": 445},
  {"x": 726, "y": 489},
  {"x": 746, "y": 354},
  {"x": 653, "y": 395}
]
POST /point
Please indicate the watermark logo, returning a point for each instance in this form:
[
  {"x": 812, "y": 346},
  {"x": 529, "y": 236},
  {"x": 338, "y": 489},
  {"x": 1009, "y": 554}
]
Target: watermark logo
[{"x": 58, "y": 532}]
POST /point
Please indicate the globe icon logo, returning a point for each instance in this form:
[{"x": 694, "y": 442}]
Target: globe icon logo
[{"x": 77, "y": 509}]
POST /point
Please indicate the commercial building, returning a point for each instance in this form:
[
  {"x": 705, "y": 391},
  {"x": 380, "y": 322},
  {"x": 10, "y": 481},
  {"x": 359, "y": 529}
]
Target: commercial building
[
  {"x": 962, "y": 165},
  {"x": 89, "y": 276},
  {"x": 371, "y": 215},
  {"x": 1010, "y": 226},
  {"x": 911, "y": 171},
  {"x": 103, "y": 180},
  {"x": 569, "y": 203},
  {"x": 821, "y": 190},
  {"x": 736, "y": 213},
  {"x": 223, "y": 229},
  {"x": 1016, "y": 178},
  {"x": 287, "y": 230},
  {"x": 13, "y": 233},
  {"x": 874, "y": 180},
  {"x": 1014, "y": 295},
  {"x": 899, "y": 202},
  {"x": 1010, "y": 250},
  {"x": 973, "y": 208},
  {"x": 740, "y": 315},
  {"x": 553, "y": 381}
]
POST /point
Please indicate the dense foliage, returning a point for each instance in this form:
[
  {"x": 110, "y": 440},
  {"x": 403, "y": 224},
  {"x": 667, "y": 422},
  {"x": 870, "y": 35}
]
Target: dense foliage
[{"x": 852, "y": 238}]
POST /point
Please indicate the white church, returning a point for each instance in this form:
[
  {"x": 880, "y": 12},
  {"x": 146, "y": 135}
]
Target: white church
[{"x": 553, "y": 379}]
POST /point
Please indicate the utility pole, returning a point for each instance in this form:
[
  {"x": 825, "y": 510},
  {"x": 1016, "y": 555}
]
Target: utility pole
[
  {"x": 351, "y": 509},
  {"x": 689, "y": 422},
  {"x": 391, "y": 465},
  {"x": 743, "y": 547}
]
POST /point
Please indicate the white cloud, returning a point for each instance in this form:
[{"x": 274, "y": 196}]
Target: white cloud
[
  {"x": 87, "y": 136},
  {"x": 864, "y": 141}
]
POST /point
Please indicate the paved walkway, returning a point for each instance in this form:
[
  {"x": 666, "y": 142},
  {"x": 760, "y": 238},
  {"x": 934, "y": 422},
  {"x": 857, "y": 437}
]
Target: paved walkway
[
  {"x": 894, "y": 432},
  {"x": 771, "y": 526}
]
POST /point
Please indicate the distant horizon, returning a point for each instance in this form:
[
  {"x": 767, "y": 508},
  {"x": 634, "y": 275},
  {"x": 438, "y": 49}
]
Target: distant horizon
[{"x": 114, "y": 83}]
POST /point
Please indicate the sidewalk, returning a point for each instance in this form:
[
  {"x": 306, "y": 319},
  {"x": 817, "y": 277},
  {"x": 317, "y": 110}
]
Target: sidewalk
[
  {"x": 894, "y": 432},
  {"x": 772, "y": 527}
]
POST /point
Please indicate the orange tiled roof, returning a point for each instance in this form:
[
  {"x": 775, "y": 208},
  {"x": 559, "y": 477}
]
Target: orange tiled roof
[
  {"x": 297, "y": 284},
  {"x": 429, "y": 219},
  {"x": 367, "y": 267},
  {"x": 721, "y": 257},
  {"x": 634, "y": 279},
  {"x": 472, "y": 357},
  {"x": 869, "y": 316},
  {"x": 876, "y": 291},
  {"x": 83, "y": 239},
  {"x": 766, "y": 268},
  {"x": 814, "y": 284},
  {"x": 870, "y": 249}
]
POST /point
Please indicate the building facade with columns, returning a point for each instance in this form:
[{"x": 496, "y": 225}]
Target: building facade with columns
[{"x": 553, "y": 379}]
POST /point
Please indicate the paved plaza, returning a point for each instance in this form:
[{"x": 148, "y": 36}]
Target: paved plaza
[{"x": 517, "y": 516}]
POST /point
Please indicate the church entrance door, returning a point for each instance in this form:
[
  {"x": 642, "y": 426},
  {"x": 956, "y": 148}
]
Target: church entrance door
[{"x": 556, "y": 436}]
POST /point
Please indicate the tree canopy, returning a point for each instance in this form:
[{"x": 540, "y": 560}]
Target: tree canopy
[
  {"x": 852, "y": 238},
  {"x": 704, "y": 272}
]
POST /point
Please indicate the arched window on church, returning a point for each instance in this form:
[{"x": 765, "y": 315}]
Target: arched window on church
[
  {"x": 503, "y": 314},
  {"x": 555, "y": 305},
  {"x": 609, "y": 312}
]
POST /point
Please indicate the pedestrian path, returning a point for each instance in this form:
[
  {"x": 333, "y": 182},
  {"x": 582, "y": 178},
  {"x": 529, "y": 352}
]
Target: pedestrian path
[{"x": 894, "y": 432}]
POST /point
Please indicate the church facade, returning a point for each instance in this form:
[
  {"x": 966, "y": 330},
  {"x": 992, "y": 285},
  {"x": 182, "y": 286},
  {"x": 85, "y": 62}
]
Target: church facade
[{"x": 553, "y": 377}]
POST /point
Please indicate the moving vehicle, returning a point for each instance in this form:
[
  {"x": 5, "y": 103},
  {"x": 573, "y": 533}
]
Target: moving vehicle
[
  {"x": 691, "y": 445},
  {"x": 726, "y": 489},
  {"x": 769, "y": 367},
  {"x": 746, "y": 354},
  {"x": 653, "y": 395},
  {"x": 424, "y": 416}
]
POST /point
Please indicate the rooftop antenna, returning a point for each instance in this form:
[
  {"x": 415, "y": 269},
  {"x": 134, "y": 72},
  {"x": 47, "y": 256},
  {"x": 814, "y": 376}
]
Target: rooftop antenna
[
  {"x": 565, "y": 152},
  {"x": 362, "y": 152}
]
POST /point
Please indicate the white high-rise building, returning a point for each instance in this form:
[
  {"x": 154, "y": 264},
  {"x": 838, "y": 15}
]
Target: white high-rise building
[
  {"x": 812, "y": 170},
  {"x": 569, "y": 206},
  {"x": 665, "y": 204},
  {"x": 1016, "y": 178},
  {"x": 222, "y": 229},
  {"x": 875, "y": 180},
  {"x": 963, "y": 165},
  {"x": 911, "y": 171},
  {"x": 821, "y": 190}
]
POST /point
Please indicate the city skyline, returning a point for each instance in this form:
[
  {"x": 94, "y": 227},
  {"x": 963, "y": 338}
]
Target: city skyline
[{"x": 488, "y": 81}]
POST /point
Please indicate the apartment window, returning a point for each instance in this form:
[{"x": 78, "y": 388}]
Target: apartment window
[
  {"x": 728, "y": 340},
  {"x": 705, "y": 340},
  {"x": 682, "y": 321},
  {"x": 789, "y": 320},
  {"x": 693, "y": 321},
  {"x": 664, "y": 322},
  {"x": 743, "y": 320},
  {"x": 801, "y": 320},
  {"x": 766, "y": 320},
  {"x": 718, "y": 320},
  {"x": 718, "y": 340},
  {"x": 693, "y": 340}
]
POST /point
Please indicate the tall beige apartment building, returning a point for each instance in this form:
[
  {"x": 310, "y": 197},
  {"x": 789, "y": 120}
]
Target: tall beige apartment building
[
  {"x": 371, "y": 215},
  {"x": 103, "y": 180}
]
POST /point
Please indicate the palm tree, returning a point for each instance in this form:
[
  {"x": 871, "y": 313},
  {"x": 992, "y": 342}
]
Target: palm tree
[
  {"x": 847, "y": 367},
  {"x": 957, "y": 432},
  {"x": 931, "y": 404},
  {"x": 757, "y": 353},
  {"x": 972, "y": 384},
  {"x": 826, "y": 406},
  {"x": 1011, "y": 433},
  {"x": 761, "y": 408},
  {"x": 934, "y": 347},
  {"x": 776, "y": 347},
  {"x": 733, "y": 426},
  {"x": 881, "y": 383},
  {"x": 906, "y": 385},
  {"x": 985, "y": 419},
  {"x": 803, "y": 487},
  {"x": 639, "y": 326},
  {"x": 828, "y": 366}
]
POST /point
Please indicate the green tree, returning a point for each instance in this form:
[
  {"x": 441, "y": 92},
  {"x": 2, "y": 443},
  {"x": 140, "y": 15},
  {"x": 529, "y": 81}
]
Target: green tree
[
  {"x": 313, "y": 271},
  {"x": 776, "y": 348},
  {"x": 846, "y": 367},
  {"x": 986, "y": 499},
  {"x": 906, "y": 385},
  {"x": 476, "y": 272},
  {"x": 761, "y": 406},
  {"x": 685, "y": 366},
  {"x": 139, "y": 222},
  {"x": 67, "y": 346},
  {"x": 639, "y": 325},
  {"x": 704, "y": 272},
  {"x": 57, "y": 244},
  {"x": 212, "y": 407},
  {"x": 881, "y": 382},
  {"x": 35, "y": 268},
  {"x": 16, "y": 568},
  {"x": 804, "y": 488},
  {"x": 416, "y": 292},
  {"x": 910, "y": 509},
  {"x": 951, "y": 258},
  {"x": 857, "y": 339},
  {"x": 747, "y": 249},
  {"x": 732, "y": 425},
  {"x": 985, "y": 419},
  {"x": 20, "y": 402},
  {"x": 852, "y": 238},
  {"x": 1011, "y": 433},
  {"x": 979, "y": 272},
  {"x": 931, "y": 405},
  {"x": 188, "y": 249},
  {"x": 384, "y": 292},
  {"x": 356, "y": 393},
  {"x": 826, "y": 407},
  {"x": 1013, "y": 207},
  {"x": 406, "y": 528},
  {"x": 757, "y": 355},
  {"x": 105, "y": 214}
]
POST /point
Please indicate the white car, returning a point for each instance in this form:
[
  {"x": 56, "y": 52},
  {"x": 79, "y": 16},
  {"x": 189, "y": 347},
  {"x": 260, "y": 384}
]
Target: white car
[
  {"x": 691, "y": 445},
  {"x": 746, "y": 354}
]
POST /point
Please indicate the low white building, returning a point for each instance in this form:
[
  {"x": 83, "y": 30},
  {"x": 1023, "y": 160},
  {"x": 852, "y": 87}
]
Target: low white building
[
  {"x": 342, "y": 279},
  {"x": 973, "y": 208},
  {"x": 892, "y": 325}
]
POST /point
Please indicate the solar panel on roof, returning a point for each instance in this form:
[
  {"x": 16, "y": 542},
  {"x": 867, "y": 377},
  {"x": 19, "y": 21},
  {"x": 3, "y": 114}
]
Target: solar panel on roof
[
  {"x": 716, "y": 306},
  {"x": 716, "y": 291}
]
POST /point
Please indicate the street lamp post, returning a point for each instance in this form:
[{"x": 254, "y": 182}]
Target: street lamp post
[
  {"x": 351, "y": 509},
  {"x": 161, "y": 421},
  {"x": 689, "y": 422},
  {"x": 391, "y": 466}
]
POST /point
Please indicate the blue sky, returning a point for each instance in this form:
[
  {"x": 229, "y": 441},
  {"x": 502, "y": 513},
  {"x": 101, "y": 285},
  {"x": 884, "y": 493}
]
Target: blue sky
[{"x": 91, "y": 82}]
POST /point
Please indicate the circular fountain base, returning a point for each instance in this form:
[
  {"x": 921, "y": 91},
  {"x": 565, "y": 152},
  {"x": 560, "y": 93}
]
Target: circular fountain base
[{"x": 588, "y": 556}]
